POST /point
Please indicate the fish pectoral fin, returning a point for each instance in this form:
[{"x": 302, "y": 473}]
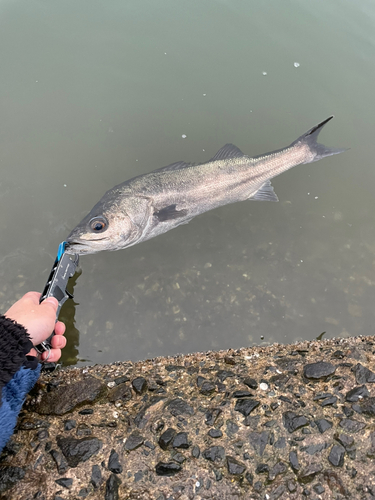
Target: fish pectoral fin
[
  {"x": 170, "y": 213},
  {"x": 265, "y": 193},
  {"x": 228, "y": 151}
]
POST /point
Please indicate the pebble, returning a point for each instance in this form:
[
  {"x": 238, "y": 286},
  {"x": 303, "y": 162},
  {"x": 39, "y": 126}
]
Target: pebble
[
  {"x": 336, "y": 455},
  {"x": 113, "y": 463},
  {"x": 78, "y": 450},
  {"x": 134, "y": 441},
  {"x": 234, "y": 466},
  {"x": 167, "y": 468},
  {"x": 319, "y": 370},
  {"x": 246, "y": 406},
  {"x": 111, "y": 488},
  {"x": 166, "y": 439}
]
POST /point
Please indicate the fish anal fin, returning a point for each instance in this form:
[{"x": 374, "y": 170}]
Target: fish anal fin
[
  {"x": 228, "y": 151},
  {"x": 265, "y": 193},
  {"x": 170, "y": 213}
]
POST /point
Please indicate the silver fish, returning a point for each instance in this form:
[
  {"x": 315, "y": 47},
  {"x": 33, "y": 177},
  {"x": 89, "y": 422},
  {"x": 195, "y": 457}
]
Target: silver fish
[{"x": 154, "y": 203}]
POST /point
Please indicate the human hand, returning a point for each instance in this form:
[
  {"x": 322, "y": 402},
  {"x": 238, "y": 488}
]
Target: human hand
[{"x": 39, "y": 321}]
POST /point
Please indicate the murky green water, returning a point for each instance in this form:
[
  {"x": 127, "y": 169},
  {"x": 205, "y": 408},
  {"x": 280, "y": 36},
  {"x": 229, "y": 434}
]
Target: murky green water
[{"x": 93, "y": 93}]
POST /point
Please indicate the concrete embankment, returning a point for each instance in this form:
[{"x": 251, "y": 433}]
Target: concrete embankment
[{"x": 272, "y": 422}]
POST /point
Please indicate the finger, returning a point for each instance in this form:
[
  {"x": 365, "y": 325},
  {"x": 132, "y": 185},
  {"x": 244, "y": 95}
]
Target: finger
[
  {"x": 33, "y": 296},
  {"x": 58, "y": 342},
  {"x": 59, "y": 328},
  {"x": 54, "y": 356}
]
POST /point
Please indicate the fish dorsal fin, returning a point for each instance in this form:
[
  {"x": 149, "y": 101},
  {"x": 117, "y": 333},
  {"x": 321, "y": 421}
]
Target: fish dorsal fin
[
  {"x": 265, "y": 193},
  {"x": 228, "y": 151},
  {"x": 174, "y": 166}
]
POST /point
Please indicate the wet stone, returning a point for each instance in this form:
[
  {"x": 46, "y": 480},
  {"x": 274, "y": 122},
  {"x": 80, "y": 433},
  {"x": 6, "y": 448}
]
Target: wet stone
[
  {"x": 313, "y": 449},
  {"x": 242, "y": 394},
  {"x": 351, "y": 425},
  {"x": 178, "y": 457},
  {"x": 83, "y": 430},
  {"x": 9, "y": 476},
  {"x": 66, "y": 398},
  {"x": 28, "y": 424},
  {"x": 69, "y": 425},
  {"x": 316, "y": 371},
  {"x": 336, "y": 455},
  {"x": 149, "y": 445},
  {"x": 60, "y": 461},
  {"x": 280, "y": 443},
  {"x": 246, "y": 406},
  {"x": 181, "y": 440},
  {"x": 167, "y": 468},
  {"x": 308, "y": 474},
  {"x": 134, "y": 441},
  {"x": 113, "y": 463},
  {"x": 368, "y": 407},
  {"x": 363, "y": 375},
  {"x": 232, "y": 428},
  {"x": 212, "y": 415},
  {"x": 251, "y": 382},
  {"x": 234, "y": 466},
  {"x": 111, "y": 488},
  {"x": 293, "y": 460},
  {"x": 319, "y": 489},
  {"x": 224, "y": 374},
  {"x": 292, "y": 421},
  {"x": 65, "y": 482},
  {"x": 262, "y": 469},
  {"x": 166, "y": 439},
  {"x": 120, "y": 393},
  {"x": 214, "y": 453},
  {"x": 96, "y": 476},
  {"x": 329, "y": 401},
  {"x": 215, "y": 433},
  {"x": 259, "y": 440},
  {"x": 139, "y": 384},
  {"x": 180, "y": 407},
  {"x": 345, "y": 440},
  {"x": 195, "y": 452},
  {"x": 86, "y": 411},
  {"x": 43, "y": 434},
  {"x": 357, "y": 393},
  {"x": 207, "y": 388},
  {"x": 121, "y": 380},
  {"x": 78, "y": 450},
  {"x": 323, "y": 425}
]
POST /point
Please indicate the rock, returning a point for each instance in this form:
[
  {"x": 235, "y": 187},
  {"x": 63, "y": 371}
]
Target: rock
[
  {"x": 312, "y": 449},
  {"x": 166, "y": 439},
  {"x": 120, "y": 393},
  {"x": 336, "y": 455},
  {"x": 351, "y": 425},
  {"x": 232, "y": 428},
  {"x": 276, "y": 470},
  {"x": 111, "y": 488},
  {"x": 113, "y": 463},
  {"x": 262, "y": 469},
  {"x": 214, "y": 453},
  {"x": 60, "y": 461},
  {"x": 246, "y": 406},
  {"x": 78, "y": 450},
  {"x": 308, "y": 474},
  {"x": 139, "y": 385},
  {"x": 323, "y": 425},
  {"x": 319, "y": 370},
  {"x": 280, "y": 443},
  {"x": 167, "y": 468},
  {"x": 212, "y": 415},
  {"x": 180, "y": 407},
  {"x": 10, "y": 476},
  {"x": 259, "y": 440},
  {"x": 65, "y": 482},
  {"x": 65, "y": 398},
  {"x": 86, "y": 411},
  {"x": 207, "y": 388},
  {"x": 181, "y": 440},
  {"x": 251, "y": 382},
  {"x": 195, "y": 452},
  {"x": 329, "y": 401},
  {"x": 357, "y": 393},
  {"x": 319, "y": 489},
  {"x": 215, "y": 433},
  {"x": 363, "y": 375},
  {"x": 178, "y": 457},
  {"x": 293, "y": 460},
  {"x": 69, "y": 425},
  {"x": 234, "y": 466},
  {"x": 134, "y": 441},
  {"x": 368, "y": 407},
  {"x": 224, "y": 374},
  {"x": 83, "y": 430},
  {"x": 242, "y": 394},
  {"x": 292, "y": 421},
  {"x": 277, "y": 492},
  {"x": 96, "y": 476}
]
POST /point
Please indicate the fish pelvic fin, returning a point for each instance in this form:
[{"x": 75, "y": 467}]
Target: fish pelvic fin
[{"x": 319, "y": 150}]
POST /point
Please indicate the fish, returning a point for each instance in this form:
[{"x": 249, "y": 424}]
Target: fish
[{"x": 156, "y": 202}]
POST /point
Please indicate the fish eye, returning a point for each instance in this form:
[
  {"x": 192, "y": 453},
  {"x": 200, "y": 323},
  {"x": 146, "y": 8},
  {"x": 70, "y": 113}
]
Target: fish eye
[{"x": 98, "y": 224}]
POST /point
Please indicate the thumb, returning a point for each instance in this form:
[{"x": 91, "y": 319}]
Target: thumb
[{"x": 50, "y": 303}]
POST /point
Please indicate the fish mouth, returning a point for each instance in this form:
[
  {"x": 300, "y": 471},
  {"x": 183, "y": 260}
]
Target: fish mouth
[{"x": 81, "y": 247}]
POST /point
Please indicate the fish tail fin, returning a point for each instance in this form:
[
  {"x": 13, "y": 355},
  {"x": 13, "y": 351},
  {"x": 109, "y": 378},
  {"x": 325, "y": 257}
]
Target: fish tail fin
[{"x": 318, "y": 150}]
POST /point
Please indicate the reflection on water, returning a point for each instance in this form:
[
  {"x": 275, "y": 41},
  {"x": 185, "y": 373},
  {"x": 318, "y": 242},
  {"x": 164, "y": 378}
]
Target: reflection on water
[{"x": 94, "y": 94}]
